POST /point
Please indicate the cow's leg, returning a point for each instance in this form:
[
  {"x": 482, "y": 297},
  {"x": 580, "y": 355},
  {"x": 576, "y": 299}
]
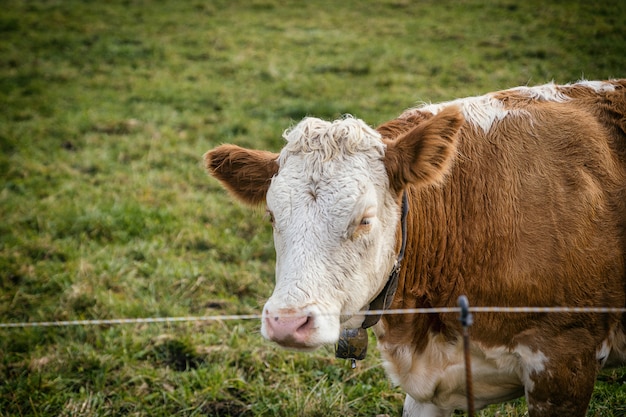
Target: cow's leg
[
  {"x": 413, "y": 408},
  {"x": 564, "y": 387}
]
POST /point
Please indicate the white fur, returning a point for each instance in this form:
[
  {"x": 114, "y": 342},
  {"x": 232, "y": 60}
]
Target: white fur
[
  {"x": 599, "y": 86},
  {"x": 415, "y": 408},
  {"x": 533, "y": 363},
  {"x": 603, "y": 352},
  {"x": 546, "y": 92},
  {"x": 617, "y": 347},
  {"x": 434, "y": 378},
  {"x": 331, "y": 175},
  {"x": 483, "y": 111}
]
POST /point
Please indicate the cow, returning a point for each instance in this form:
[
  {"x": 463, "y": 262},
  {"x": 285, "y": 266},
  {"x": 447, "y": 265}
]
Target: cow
[{"x": 515, "y": 198}]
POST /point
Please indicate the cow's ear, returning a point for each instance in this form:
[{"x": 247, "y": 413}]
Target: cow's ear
[
  {"x": 245, "y": 173},
  {"x": 424, "y": 154}
]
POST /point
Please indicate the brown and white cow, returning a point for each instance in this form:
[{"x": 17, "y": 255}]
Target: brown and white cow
[{"x": 516, "y": 198}]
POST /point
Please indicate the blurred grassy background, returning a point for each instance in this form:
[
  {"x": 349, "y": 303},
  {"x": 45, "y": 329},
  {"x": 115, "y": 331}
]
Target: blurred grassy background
[{"x": 106, "y": 110}]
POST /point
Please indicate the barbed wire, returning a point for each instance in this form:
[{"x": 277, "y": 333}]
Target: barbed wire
[{"x": 235, "y": 317}]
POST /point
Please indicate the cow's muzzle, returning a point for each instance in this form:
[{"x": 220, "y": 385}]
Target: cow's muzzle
[{"x": 289, "y": 330}]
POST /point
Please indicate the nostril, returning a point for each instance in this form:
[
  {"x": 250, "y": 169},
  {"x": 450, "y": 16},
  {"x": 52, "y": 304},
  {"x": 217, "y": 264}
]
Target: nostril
[
  {"x": 288, "y": 330},
  {"x": 306, "y": 325}
]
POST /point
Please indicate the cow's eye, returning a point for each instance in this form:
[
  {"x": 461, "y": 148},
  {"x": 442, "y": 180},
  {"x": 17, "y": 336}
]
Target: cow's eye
[
  {"x": 366, "y": 223},
  {"x": 364, "y": 226}
]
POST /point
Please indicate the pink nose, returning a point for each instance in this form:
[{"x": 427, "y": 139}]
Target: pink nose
[{"x": 288, "y": 330}]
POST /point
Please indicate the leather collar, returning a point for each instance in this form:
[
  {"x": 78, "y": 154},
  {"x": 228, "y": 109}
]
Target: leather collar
[
  {"x": 352, "y": 343},
  {"x": 384, "y": 298}
]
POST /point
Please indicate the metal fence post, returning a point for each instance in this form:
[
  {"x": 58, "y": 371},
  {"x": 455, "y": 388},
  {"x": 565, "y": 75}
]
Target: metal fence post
[{"x": 466, "y": 321}]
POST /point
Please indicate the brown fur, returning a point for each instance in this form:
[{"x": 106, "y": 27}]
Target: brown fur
[
  {"x": 423, "y": 154},
  {"x": 531, "y": 214},
  {"x": 245, "y": 173}
]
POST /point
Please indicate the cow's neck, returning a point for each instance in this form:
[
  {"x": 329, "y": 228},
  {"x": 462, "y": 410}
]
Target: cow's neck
[
  {"x": 352, "y": 343},
  {"x": 384, "y": 298}
]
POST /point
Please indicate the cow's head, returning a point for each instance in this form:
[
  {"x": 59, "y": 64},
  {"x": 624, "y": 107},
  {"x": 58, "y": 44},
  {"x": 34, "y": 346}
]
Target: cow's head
[{"x": 333, "y": 196}]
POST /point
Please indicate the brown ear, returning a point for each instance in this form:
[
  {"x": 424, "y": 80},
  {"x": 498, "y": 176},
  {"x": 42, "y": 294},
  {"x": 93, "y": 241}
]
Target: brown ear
[
  {"x": 245, "y": 173},
  {"x": 424, "y": 154}
]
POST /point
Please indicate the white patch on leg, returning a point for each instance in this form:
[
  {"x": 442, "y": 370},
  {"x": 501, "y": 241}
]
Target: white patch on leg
[
  {"x": 602, "y": 354},
  {"x": 533, "y": 362},
  {"x": 413, "y": 408}
]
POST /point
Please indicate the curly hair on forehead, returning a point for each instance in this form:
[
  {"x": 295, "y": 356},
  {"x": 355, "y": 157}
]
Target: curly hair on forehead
[{"x": 331, "y": 140}]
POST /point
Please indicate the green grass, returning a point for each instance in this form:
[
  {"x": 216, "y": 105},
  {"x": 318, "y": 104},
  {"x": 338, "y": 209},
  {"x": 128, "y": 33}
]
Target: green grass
[{"x": 105, "y": 211}]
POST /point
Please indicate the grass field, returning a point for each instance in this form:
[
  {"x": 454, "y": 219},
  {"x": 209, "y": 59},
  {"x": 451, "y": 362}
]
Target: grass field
[{"x": 105, "y": 211}]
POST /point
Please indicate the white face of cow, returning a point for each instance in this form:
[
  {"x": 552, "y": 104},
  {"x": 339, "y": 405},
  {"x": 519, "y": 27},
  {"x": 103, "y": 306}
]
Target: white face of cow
[
  {"x": 334, "y": 220},
  {"x": 333, "y": 197}
]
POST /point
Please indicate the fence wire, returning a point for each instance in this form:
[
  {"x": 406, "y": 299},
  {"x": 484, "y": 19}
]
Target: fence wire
[{"x": 234, "y": 317}]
